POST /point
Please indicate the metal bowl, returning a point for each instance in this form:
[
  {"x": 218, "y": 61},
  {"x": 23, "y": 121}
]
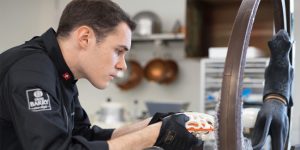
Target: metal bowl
[{"x": 147, "y": 23}]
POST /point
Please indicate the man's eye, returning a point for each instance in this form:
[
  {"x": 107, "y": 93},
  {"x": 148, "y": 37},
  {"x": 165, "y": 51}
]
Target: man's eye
[{"x": 118, "y": 51}]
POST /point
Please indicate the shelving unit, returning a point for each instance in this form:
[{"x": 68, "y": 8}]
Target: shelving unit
[
  {"x": 158, "y": 38},
  {"x": 163, "y": 36},
  {"x": 211, "y": 82}
]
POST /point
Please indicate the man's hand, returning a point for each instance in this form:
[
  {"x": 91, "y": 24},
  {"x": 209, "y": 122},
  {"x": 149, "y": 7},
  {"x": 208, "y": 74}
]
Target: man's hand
[
  {"x": 174, "y": 135},
  {"x": 159, "y": 117},
  {"x": 272, "y": 119}
]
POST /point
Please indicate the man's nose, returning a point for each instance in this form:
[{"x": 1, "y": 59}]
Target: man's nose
[{"x": 122, "y": 65}]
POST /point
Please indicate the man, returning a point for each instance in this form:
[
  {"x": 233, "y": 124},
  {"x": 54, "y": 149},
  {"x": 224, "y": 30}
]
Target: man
[
  {"x": 272, "y": 119},
  {"x": 39, "y": 106}
]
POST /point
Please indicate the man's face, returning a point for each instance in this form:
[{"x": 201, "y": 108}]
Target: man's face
[{"x": 102, "y": 60}]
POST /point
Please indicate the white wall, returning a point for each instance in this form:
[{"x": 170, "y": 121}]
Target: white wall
[
  {"x": 21, "y": 20},
  {"x": 21, "y": 23}
]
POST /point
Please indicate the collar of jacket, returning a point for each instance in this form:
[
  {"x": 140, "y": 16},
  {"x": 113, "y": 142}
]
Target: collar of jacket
[{"x": 54, "y": 52}]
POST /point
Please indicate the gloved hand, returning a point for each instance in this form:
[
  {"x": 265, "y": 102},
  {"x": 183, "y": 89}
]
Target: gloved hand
[
  {"x": 174, "y": 135},
  {"x": 271, "y": 119},
  {"x": 159, "y": 117}
]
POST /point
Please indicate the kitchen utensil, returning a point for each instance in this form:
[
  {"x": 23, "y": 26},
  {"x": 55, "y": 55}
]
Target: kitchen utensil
[
  {"x": 161, "y": 71},
  {"x": 155, "y": 70},
  {"x": 111, "y": 112},
  {"x": 171, "y": 71},
  {"x": 147, "y": 23}
]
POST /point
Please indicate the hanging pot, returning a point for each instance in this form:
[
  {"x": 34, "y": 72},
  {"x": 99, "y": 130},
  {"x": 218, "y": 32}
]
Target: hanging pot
[
  {"x": 155, "y": 70},
  {"x": 131, "y": 77},
  {"x": 161, "y": 71},
  {"x": 171, "y": 71}
]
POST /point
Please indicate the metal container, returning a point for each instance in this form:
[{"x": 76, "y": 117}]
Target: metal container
[
  {"x": 111, "y": 112},
  {"x": 147, "y": 23}
]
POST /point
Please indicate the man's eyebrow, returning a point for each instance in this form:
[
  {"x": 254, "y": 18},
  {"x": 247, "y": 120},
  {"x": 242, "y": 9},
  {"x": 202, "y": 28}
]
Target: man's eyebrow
[{"x": 124, "y": 47}]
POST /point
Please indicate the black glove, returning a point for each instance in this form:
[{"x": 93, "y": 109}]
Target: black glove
[
  {"x": 174, "y": 136},
  {"x": 272, "y": 119},
  {"x": 159, "y": 117}
]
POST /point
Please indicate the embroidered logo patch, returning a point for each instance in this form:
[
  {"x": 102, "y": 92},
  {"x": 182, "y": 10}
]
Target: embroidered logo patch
[{"x": 38, "y": 100}]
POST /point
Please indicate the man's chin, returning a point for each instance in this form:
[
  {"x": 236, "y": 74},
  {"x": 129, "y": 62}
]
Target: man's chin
[{"x": 100, "y": 86}]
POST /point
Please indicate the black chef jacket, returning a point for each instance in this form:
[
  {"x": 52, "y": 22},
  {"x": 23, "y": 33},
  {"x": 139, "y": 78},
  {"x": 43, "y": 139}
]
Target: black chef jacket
[{"x": 39, "y": 107}]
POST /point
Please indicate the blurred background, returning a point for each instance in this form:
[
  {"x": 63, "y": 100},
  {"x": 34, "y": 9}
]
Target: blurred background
[{"x": 176, "y": 59}]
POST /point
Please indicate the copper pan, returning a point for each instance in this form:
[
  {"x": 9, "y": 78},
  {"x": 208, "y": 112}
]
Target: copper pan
[
  {"x": 171, "y": 71},
  {"x": 161, "y": 71}
]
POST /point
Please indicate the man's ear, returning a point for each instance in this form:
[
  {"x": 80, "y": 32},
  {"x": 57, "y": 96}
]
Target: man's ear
[{"x": 84, "y": 36}]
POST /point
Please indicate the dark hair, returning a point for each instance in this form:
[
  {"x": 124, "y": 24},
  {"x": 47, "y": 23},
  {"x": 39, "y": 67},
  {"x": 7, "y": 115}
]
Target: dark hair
[{"x": 101, "y": 15}]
